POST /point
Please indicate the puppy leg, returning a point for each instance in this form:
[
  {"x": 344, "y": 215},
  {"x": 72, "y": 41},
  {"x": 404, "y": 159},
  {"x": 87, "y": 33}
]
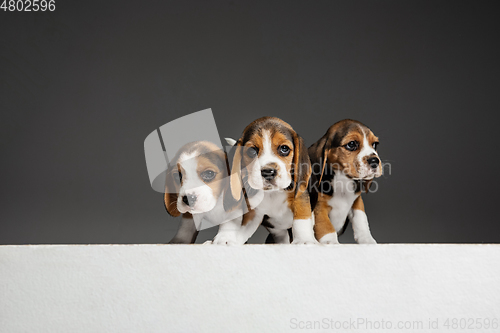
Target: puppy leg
[
  {"x": 228, "y": 233},
  {"x": 359, "y": 222},
  {"x": 323, "y": 229},
  {"x": 303, "y": 221},
  {"x": 250, "y": 224},
  {"x": 187, "y": 231},
  {"x": 238, "y": 230},
  {"x": 302, "y": 230}
]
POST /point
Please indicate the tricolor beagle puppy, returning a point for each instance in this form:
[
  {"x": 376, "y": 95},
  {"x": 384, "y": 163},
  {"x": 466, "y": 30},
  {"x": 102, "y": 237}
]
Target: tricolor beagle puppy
[
  {"x": 345, "y": 162},
  {"x": 195, "y": 185},
  {"x": 270, "y": 172}
]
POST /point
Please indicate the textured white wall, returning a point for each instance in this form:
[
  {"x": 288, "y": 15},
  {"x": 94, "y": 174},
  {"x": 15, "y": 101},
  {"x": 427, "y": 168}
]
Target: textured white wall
[{"x": 251, "y": 288}]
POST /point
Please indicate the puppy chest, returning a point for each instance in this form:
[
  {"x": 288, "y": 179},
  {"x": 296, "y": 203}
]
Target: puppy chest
[
  {"x": 340, "y": 204},
  {"x": 275, "y": 206}
]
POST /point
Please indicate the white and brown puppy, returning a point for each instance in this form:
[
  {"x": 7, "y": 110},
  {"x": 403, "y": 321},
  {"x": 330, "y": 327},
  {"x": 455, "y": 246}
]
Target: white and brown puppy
[
  {"x": 195, "y": 185},
  {"x": 270, "y": 172},
  {"x": 345, "y": 162}
]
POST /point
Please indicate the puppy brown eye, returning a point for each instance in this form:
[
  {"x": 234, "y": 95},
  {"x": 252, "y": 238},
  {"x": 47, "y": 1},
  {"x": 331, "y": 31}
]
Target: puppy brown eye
[
  {"x": 252, "y": 152},
  {"x": 351, "y": 146},
  {"x": 208, "y": 175},
  {"x": 375, "y": 145},
  {"x": 177, "y": 177},
  {"x": 284, "y": 150}
]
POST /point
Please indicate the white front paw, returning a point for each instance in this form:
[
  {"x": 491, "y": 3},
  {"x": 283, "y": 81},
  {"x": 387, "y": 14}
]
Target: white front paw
[
  {"x": 225, "y": 239},
  {"x": 329, "y": 239},
  {"x": 305, "y": 241},
  {"x": 366, "y": 240},
  {"x": 302, "y": 230}
]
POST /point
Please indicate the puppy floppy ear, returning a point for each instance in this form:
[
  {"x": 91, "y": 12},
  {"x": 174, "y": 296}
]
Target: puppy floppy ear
[
  {"x": 232, "y": 194},
  {"x": 301, "y": 164},
  {"x": 171, "y": 195},
  {"x": 318, "y": 154}
]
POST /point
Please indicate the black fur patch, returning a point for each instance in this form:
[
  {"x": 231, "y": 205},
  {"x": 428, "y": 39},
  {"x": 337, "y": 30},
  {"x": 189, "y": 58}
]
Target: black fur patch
[
  {"x": 326, "y": 186},
  {"x": 362, "y": 186},
  {"x": 359, "y": 185},
  {"x": 266, "y": 223}
]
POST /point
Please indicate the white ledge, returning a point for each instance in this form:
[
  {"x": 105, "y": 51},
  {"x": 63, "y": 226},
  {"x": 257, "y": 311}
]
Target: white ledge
[{"x": 250, "y": 288}]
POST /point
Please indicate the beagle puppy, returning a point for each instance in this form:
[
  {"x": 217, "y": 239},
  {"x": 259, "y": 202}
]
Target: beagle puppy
[
  {"x": 345, "y": 162},
  {"x": 269, "y": 174},
  {"x": 195, "y": 182}
]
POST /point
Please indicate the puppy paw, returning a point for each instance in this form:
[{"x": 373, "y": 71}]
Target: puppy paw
[
  {"x": 329, "y": 239},
  {"x": 224, "y": 240},
  {"x": 330, "y": 243},
  {"x": 305, "y": 242}
]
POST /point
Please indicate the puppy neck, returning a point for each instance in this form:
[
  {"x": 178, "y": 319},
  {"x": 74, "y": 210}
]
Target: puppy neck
[{"x": 338, "y": 183}]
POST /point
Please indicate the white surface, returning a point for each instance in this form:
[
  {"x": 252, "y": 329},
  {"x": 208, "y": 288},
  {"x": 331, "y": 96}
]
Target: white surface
[{"x": 251, "y": 288}]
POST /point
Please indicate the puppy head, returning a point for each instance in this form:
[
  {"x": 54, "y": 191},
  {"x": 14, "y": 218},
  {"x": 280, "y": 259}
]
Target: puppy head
[
  {"x": 269, "y": 156},
  {"x": 350, "y": 147},
  {"x": 195, "y": 178}
]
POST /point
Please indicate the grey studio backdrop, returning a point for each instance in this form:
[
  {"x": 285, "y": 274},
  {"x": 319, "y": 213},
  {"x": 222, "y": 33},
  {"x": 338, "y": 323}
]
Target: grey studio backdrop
[{"x": 83, "y": 86}]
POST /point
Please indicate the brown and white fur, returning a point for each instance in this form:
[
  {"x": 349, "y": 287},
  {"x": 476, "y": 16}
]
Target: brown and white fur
[
  {"x": 269, "y": 173},
  {"x": 345, "y": 162},
  {"x": 196, "y": 179}
]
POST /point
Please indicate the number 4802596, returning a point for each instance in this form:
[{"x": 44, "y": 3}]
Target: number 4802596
[{"x": 28, "y": 5}]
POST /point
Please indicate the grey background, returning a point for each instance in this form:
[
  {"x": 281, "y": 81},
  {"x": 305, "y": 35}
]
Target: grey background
[{"x": 83, "y": 86}]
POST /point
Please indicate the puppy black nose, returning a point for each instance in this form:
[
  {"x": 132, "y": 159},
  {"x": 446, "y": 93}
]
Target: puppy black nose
[
  {"x": 189, "y": 199},
  {"x": 268, "y": 174},
  {"x": 374, "y": 161}
]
